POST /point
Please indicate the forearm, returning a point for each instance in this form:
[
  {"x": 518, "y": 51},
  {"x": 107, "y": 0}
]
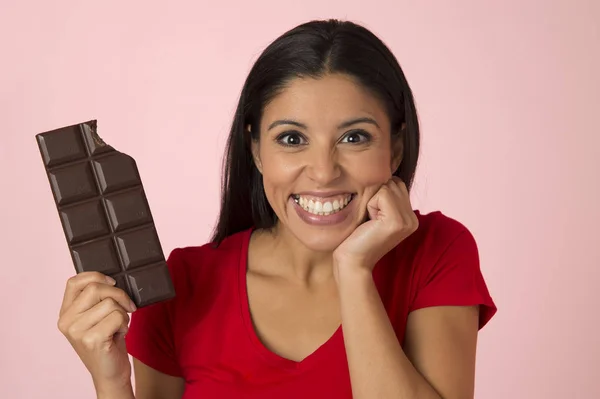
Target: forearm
[
  {"x": 115, "y": 392},
  {"x": 378, "y": 366}
]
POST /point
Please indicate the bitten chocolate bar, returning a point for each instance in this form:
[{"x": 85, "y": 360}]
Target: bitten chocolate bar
[{"x": 104, "y": 212}]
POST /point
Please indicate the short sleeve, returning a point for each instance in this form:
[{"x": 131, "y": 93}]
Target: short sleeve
[
  {"x": 150, "y": 338},
  {"x": 455, "y": 279}
]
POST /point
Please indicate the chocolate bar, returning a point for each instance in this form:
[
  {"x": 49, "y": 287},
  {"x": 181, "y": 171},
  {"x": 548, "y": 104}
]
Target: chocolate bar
[{"x": 104, "y": 212}]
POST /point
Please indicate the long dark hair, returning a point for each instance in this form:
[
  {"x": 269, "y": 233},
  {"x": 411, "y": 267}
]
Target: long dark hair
[{"x": 313, "y": 49}]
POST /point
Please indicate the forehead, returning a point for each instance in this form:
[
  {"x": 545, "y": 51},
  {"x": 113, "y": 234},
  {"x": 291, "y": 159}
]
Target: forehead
[{"x": 324, "y": 101}]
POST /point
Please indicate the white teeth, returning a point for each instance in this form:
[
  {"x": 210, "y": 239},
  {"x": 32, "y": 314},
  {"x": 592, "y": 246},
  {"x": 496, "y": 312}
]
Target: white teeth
[
  {"x": 318, "y": 207},
  {"x": 322, "y": 208}
]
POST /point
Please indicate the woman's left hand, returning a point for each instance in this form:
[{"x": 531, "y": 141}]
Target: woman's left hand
[{"x": 391, "y": 220}]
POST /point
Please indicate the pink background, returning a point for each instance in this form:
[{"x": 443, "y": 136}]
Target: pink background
[{"x": 509, "y": 98}]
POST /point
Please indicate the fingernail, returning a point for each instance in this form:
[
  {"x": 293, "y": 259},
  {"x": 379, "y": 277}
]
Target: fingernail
[
  {"x": 111, "y": 280},
  {"x": 132, "y": 306}
]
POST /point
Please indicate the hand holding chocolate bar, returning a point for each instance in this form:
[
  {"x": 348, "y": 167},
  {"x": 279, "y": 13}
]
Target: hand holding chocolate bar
[
  {"x": 94, "y": 319},
  {"x": 114, "y": 246}
]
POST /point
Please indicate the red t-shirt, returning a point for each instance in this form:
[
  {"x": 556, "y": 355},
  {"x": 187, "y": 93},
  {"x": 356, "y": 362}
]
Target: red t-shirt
[{"x": 205, "y": 335}]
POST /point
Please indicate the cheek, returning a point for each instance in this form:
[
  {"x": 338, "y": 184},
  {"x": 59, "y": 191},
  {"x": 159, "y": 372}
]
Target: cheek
[
  {"x": 372, "y": 169},
  {"x": 279, "y": 172}
]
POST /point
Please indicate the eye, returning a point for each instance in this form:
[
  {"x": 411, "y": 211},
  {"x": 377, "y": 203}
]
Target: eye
[
  {"x": 291, "y": 139},
  {"x": 356, "y": 137}
]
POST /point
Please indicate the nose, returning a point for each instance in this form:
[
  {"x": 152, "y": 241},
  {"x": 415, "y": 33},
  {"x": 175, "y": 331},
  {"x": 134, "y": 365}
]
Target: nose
[{"x": 323, "y": 166}]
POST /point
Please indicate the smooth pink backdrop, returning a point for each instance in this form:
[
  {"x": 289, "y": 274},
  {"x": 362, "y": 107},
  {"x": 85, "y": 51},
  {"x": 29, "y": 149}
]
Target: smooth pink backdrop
[{"x": 509, "y": 99}]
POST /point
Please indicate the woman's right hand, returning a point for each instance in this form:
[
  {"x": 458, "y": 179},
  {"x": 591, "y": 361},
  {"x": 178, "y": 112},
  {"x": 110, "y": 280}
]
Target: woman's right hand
[{"x": 94, "y": 318}]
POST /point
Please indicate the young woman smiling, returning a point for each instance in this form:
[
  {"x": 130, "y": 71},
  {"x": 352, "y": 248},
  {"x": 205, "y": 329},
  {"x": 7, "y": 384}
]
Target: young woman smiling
[{"x": 321, "y": 281}]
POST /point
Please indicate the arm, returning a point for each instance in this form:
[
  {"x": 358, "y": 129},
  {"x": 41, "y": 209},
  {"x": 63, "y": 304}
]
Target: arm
[
  {"x": 439, "y": 361},
  {"x": 152, "y": 384}
]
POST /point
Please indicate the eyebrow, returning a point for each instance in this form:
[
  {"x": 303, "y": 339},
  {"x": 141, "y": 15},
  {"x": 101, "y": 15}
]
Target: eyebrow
[
  {"x": 343, "y": 125},
  {"x": 356, "y": 121}
]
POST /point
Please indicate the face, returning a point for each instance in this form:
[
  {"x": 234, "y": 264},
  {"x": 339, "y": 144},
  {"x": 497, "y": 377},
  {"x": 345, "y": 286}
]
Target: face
[{"x": 324, "y": 150}]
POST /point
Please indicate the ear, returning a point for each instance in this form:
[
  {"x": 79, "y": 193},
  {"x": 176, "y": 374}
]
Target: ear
[
  {"x": 254, "y": 144},
  {"x": 398, "y": 148}
]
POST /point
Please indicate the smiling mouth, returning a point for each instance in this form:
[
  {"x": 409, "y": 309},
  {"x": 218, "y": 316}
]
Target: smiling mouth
[{"x": 323, "y": 207}]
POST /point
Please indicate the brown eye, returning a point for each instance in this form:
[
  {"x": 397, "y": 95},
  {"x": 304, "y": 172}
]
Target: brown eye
[
  {"x": 356, "y": 137},
  {"x": 290, "y": 139}
]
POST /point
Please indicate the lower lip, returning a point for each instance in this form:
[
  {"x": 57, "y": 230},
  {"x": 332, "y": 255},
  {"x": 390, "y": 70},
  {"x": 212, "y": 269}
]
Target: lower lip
[{"x": 322, "y": 220}]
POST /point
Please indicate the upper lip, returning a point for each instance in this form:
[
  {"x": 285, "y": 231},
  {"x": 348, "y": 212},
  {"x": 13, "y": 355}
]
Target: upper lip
[{"x": 323, "y": 194}]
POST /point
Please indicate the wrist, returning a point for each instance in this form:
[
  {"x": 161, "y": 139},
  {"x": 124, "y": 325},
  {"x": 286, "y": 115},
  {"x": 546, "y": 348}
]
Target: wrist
[
  {"x": 114, "y": 391},
  {"x": 352, "y": 273}
]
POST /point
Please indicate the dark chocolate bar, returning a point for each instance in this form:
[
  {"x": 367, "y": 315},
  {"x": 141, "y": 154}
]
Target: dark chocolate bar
[{"x": 104, "y": 212}]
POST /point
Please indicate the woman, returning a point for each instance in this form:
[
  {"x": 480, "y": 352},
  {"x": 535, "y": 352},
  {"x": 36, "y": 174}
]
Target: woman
[{"x": 320, "y": 280}]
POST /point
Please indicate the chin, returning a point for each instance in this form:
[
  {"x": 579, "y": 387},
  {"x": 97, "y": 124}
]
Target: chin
[
  {"x": 324, "y": 238},
  {"x": 323, "y": 241}
]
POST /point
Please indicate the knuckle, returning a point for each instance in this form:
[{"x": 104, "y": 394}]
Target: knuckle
[
  {"x": 62, "y": 325},
  {"x": 110, "y": 302},
  {"x": 92, "y": 288},
  {"x": 72, "y": 282},
  {"x": 88, "y": 341},
  {"x": 72, "y": 331}
]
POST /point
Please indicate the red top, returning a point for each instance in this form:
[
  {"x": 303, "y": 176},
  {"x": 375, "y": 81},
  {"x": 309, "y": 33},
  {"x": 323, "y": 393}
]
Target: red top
[{"x": 205, "y": 334}]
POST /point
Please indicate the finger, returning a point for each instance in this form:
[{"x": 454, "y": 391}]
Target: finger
[
  {"x": 396, "y": 192},
  {"x": 103, "y": 332},
  {"x": 397, "y": 179},
  {"x": 398, "y": 186},
  {"x": 409, "y": 220},
  {"x": 94, "y": 293},
  {"x": 373, "y": 205},
  {"x": 392, "y": 204},
  {"x": 400, "y": 190},
  {"x": 383, "y": 204},
  {"x": 95, "y": 315},
  {"x": 390, "y": 201},
  {"x": 77, "y": 283}
]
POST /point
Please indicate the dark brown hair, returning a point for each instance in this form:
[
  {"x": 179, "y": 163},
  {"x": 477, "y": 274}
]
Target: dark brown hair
[{"x": 313, "y": 49}]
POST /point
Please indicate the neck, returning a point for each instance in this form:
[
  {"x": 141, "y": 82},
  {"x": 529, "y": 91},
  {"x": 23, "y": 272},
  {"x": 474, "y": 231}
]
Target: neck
[{"x": 293, "y": 259}]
